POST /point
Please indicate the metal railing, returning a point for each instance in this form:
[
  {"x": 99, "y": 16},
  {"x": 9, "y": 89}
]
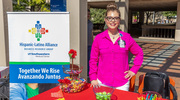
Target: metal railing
[{"x": 158, "y": 31}]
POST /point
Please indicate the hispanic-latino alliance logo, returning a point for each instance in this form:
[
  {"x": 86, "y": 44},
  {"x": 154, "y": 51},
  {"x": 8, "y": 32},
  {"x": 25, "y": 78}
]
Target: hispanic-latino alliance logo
[{"x": 38, "y": 31}]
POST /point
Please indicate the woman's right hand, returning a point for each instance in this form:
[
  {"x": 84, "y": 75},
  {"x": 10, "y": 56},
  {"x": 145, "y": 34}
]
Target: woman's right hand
[{"x": 94, "y": 83}]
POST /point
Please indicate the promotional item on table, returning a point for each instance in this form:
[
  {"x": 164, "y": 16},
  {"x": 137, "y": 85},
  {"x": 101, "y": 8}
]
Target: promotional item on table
[
  {"x": 73, "y": 83},
  {"x": 103, "y": 92},
  {"x": 149, "y": 95}
]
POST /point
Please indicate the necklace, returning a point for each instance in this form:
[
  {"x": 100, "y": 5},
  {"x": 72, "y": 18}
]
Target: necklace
[{"x": 114, "y": 36}]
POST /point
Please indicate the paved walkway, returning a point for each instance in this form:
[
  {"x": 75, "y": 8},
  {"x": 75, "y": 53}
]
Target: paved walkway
[{"x": 161, "y": 56}]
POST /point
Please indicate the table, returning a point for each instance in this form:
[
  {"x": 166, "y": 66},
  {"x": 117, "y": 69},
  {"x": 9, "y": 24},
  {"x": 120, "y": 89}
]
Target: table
[
  {"x": 4, "y": 71},
  {"x": 87, "y": 94}
]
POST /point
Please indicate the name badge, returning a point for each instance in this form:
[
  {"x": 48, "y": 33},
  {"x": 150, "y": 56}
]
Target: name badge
[{"x": 122, "y": 44}]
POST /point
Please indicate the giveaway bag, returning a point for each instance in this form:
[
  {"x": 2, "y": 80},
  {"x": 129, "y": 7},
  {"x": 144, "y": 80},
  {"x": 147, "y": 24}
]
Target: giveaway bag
[{"x": 159, "y": 82}]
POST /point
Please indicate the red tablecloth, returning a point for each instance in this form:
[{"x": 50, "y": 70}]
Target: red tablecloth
[{"x": 87, "y": 94}]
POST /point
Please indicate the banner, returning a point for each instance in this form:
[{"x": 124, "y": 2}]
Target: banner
[
  {"x": 38, "y": 46},
  {"x": 58, "y": 5}
]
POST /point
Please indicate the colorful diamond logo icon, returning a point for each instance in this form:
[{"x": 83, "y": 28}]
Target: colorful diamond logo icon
[{"x": 38, "y": 31}]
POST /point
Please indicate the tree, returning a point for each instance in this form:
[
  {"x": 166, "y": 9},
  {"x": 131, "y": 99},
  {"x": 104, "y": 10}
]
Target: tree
[
  {"x": 148, "y": 14},
  {"x": 20, "y": 5},
  {"x": 97, "y": 15},
  {"x": 169, "y": 14},
  {"x": 30, "y": 5}
]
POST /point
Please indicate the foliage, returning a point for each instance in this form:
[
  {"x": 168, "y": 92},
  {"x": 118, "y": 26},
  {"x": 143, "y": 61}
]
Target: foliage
[
  {"x": 97, "y": 15},
  {"x": 169, "y": 14},
  {"x": 30, "y": 5},
  {"x": 135, "y": 13},
  {"x": 20, "y": 5}
]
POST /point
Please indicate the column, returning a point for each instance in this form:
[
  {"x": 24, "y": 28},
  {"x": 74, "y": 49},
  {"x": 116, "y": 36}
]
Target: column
[
  {"x": 129, "y": 21},
  {"x": 141, "y": 17},
  {"x": 177, "y": 31},
  {"x": 124, "y": 9},
  {"x": 141, "y": 21},
  {"x": 5, "y": 5},
  {"x": 78, "y": 31}
]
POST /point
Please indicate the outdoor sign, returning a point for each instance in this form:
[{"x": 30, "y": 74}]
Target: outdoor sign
[
  {"x": 38, "y": 46},
  {"x": 58, "y": 5}
]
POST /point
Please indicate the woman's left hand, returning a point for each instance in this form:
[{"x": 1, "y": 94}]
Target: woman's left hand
[{"x": 129, "y": 74}]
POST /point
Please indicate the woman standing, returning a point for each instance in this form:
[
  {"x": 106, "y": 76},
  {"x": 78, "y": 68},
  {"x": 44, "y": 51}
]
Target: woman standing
[{"x": 109, "y": 54}]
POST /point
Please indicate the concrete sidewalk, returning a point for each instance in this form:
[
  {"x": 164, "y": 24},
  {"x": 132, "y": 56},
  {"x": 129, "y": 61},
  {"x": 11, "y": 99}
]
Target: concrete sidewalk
[{"x": 160, "y": 56}]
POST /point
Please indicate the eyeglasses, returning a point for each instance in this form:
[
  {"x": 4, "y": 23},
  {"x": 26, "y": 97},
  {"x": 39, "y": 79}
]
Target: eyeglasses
[{"x": 112, "y": 18}]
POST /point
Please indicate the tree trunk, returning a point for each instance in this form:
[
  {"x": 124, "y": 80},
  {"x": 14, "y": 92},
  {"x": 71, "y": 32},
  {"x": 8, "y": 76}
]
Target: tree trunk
[{"x": 32, "y": 8}]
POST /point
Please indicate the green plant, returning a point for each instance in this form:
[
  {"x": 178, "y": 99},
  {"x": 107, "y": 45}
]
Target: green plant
[
  {"x": 97, "y": 15},
  {"x": 31, "y": 5}
]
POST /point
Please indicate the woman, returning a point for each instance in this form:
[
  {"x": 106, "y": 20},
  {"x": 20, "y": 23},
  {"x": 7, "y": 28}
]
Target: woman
[{"x": 109, "y": 54}]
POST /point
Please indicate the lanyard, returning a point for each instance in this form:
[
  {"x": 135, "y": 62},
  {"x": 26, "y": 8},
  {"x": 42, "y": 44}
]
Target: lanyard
[{"x": 121, "y": 42}]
